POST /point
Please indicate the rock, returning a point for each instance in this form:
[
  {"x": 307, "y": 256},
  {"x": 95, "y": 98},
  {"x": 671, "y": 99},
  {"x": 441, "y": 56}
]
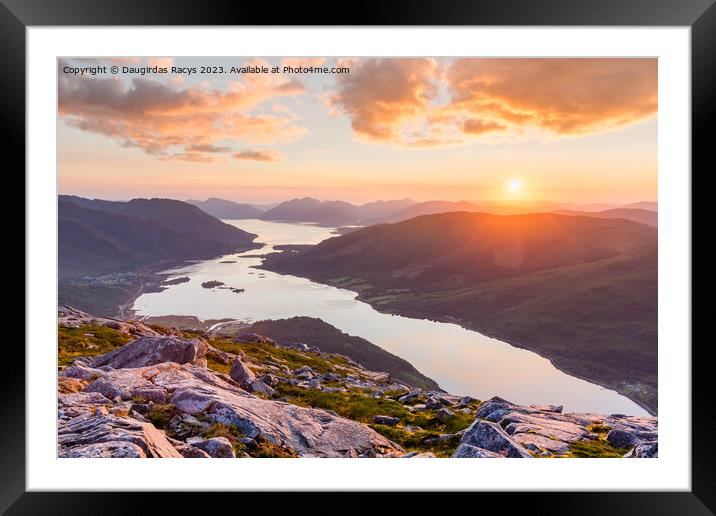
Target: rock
[
  {"x": 386, "y": 420},
  {"x": 113, "y": 449},
  {"x": 269, "y": 380},
  {"x": 468, "y": 451},
  {"x": 121, "y": 409},
  {"x": 465, "y": 411},
  {"x": 252, "y": 338},
  {"x": 191, "y": 452},
  {"x": 416, "y": 455},
  {"x": 72, "y": 318},
  {"x": 418, "y": 407},
  {"x": 219, "y": 356},
  {"x": 184, "y": 426},
  {"x": 494, "y": 409},
  {"x": 369, "y": 454},
  {"x": 67, "y": 385},
  {"x": 645, "y": 450},
  {"x": 465, "y": 401},
  {"x": 193, "y": 390},
  {"x": 621, "y": 438},
  {"x": 153, "y": 350},
  {"x": 334, "y": 389},
  {"x": 247, "y": 441},
  {"x": 537, "y": 442},
  {"x": 445, "y": 415},
  {"x": 433, "y": 403},
  {"x": 217, "y": 447},
  {"x": 81, "y": 372},
  {"x": 314, "y": 383},
  {"x": 81, "y": 435},
  {"x": 242, "y": 374},
  {"x": 489, "y": 436},
  {"x": 260, "y": 387},
  {"x": 412, "y": 395},
  {"x": 378, "y": 393}
]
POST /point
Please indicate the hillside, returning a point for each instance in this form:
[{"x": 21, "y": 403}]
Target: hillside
[
  {"x": 178, "y": 216},
  {"x": 127, "y": 389},
  {"x": 104, "y": 253},
  {"x": 223, "y": 209},
  {"x": 643, "y": 216},
  {"x": 580, "y": 291},
  {"x": 332, "y": 340}
]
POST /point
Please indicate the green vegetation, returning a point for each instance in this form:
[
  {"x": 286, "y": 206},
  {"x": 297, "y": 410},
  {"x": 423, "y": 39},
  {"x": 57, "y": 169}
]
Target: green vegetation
[
  {"x": 263, "y": 448},
  {"x": 87, "y": 340},
  {"x": 580, "y": 291},
  {"x": 332, "y": 340},
  {"x": 361, "y": 406},
  {"x": 160, "y": 414},
  {"x": 599, "y": 448}
]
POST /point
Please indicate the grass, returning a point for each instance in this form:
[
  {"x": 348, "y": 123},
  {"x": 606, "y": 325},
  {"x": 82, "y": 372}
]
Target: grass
[
  {"x": 362, "y": 407},
  {"x": 263, "y": 448},
  {"x": 160, "y": 414},
  {"x": 87, "y": 340},
  {"x": 598, "y": 448}
]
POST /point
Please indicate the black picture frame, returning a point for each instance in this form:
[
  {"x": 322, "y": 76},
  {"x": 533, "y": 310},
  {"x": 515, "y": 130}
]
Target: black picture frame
[{"x": 699, "y": 15}]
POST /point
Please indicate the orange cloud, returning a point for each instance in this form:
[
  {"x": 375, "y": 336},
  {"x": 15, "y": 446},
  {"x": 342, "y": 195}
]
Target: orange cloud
[
  {"x": 259, "y": 155},
  {"x": 178, "y": 123},
  {"x": 383, "y": 96},
  {"x": 396, "y": 101},
  {"x": 566, "y": 96}
]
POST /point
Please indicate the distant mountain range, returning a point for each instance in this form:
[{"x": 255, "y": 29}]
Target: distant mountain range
[
  {"x": 340, "y": 213},
  {"x": 580, "y": 290}
]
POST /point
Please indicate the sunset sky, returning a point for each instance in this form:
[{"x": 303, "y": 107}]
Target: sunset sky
[{"x": 565, "y": 130}]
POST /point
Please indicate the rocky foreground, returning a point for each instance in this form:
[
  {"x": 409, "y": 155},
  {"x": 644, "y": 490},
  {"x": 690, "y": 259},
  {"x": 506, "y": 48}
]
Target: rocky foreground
[{"x": 126, "y": 389}]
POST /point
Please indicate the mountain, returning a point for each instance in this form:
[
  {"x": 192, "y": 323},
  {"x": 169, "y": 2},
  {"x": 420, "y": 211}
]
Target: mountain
[
  {"x": 645, "y": 205},
  {"x": 581, "y": 291},
  {"x": 105, "y": 247},
  {"x": 178, "y": 216},
  {"x": 223, "y": 209},
  {"x": 643, "y": 216},
  {"x": 423, "y": 208},
  {"x": 332, "y": 213},
  {"x": 100, "y": 242}
]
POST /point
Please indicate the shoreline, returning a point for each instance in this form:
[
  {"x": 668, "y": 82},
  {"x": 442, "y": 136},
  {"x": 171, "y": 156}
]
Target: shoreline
[{"x": 393, "y": 310}]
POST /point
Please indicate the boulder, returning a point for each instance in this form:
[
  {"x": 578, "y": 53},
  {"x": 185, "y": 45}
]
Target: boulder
[
  {"x": 468, "y": 451},
  {"x": 184, "y": 426},
  {"x": 217, "y": 447},
  {"x": 433, "y": 403},
  {"x": 72, "y": 318},
  {"x": 621, "y": 438},
  {"x": 81, "y": 435},
  {"x": 645, "y": 450},
  {"x": 490, "y": 436},
  {"x": 147, "y": 351},
  {"x": 192, "y": 390},
  {"x": 260, "y": 387},
  {"x": 445, "y": 415},
  {"x": 386, "y": 420},
  {"x": 411, "y": 396},
  {"x": 252, "y": 338},
  {"x": 242, "y": 374}
]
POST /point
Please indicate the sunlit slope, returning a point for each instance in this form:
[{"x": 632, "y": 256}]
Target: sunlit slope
[{"x": 581, "y": 291}]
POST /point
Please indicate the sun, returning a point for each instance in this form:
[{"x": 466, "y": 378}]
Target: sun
[{"x": 514, "y": 186}]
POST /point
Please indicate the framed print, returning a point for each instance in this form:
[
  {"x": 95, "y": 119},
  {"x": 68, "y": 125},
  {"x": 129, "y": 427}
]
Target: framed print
[{"x": 303, "y": 253}]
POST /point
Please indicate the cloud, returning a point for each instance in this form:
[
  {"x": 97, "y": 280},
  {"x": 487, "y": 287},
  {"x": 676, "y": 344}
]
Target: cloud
[
  {"x": 166, "y": 119},
  {"x": 258, "y": 155},
  {"x": 381, "y": 96},
  {"x": 418, "y": 103},
  {"x": 305, "y": 62},
  {"x": 565, "y": 96},
  {"x": 165, "y": 62}
]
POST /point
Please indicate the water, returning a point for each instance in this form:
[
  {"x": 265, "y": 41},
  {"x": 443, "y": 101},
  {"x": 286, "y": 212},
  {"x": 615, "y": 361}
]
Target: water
[{"x": 460, "y": 360}]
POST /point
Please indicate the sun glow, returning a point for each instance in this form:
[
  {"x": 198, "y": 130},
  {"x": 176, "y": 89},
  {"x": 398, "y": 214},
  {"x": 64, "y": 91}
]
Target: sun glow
[{"x": 514, "y": 186}]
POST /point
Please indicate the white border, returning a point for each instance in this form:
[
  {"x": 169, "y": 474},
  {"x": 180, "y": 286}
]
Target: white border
[{"x": 670, "y": 471}]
